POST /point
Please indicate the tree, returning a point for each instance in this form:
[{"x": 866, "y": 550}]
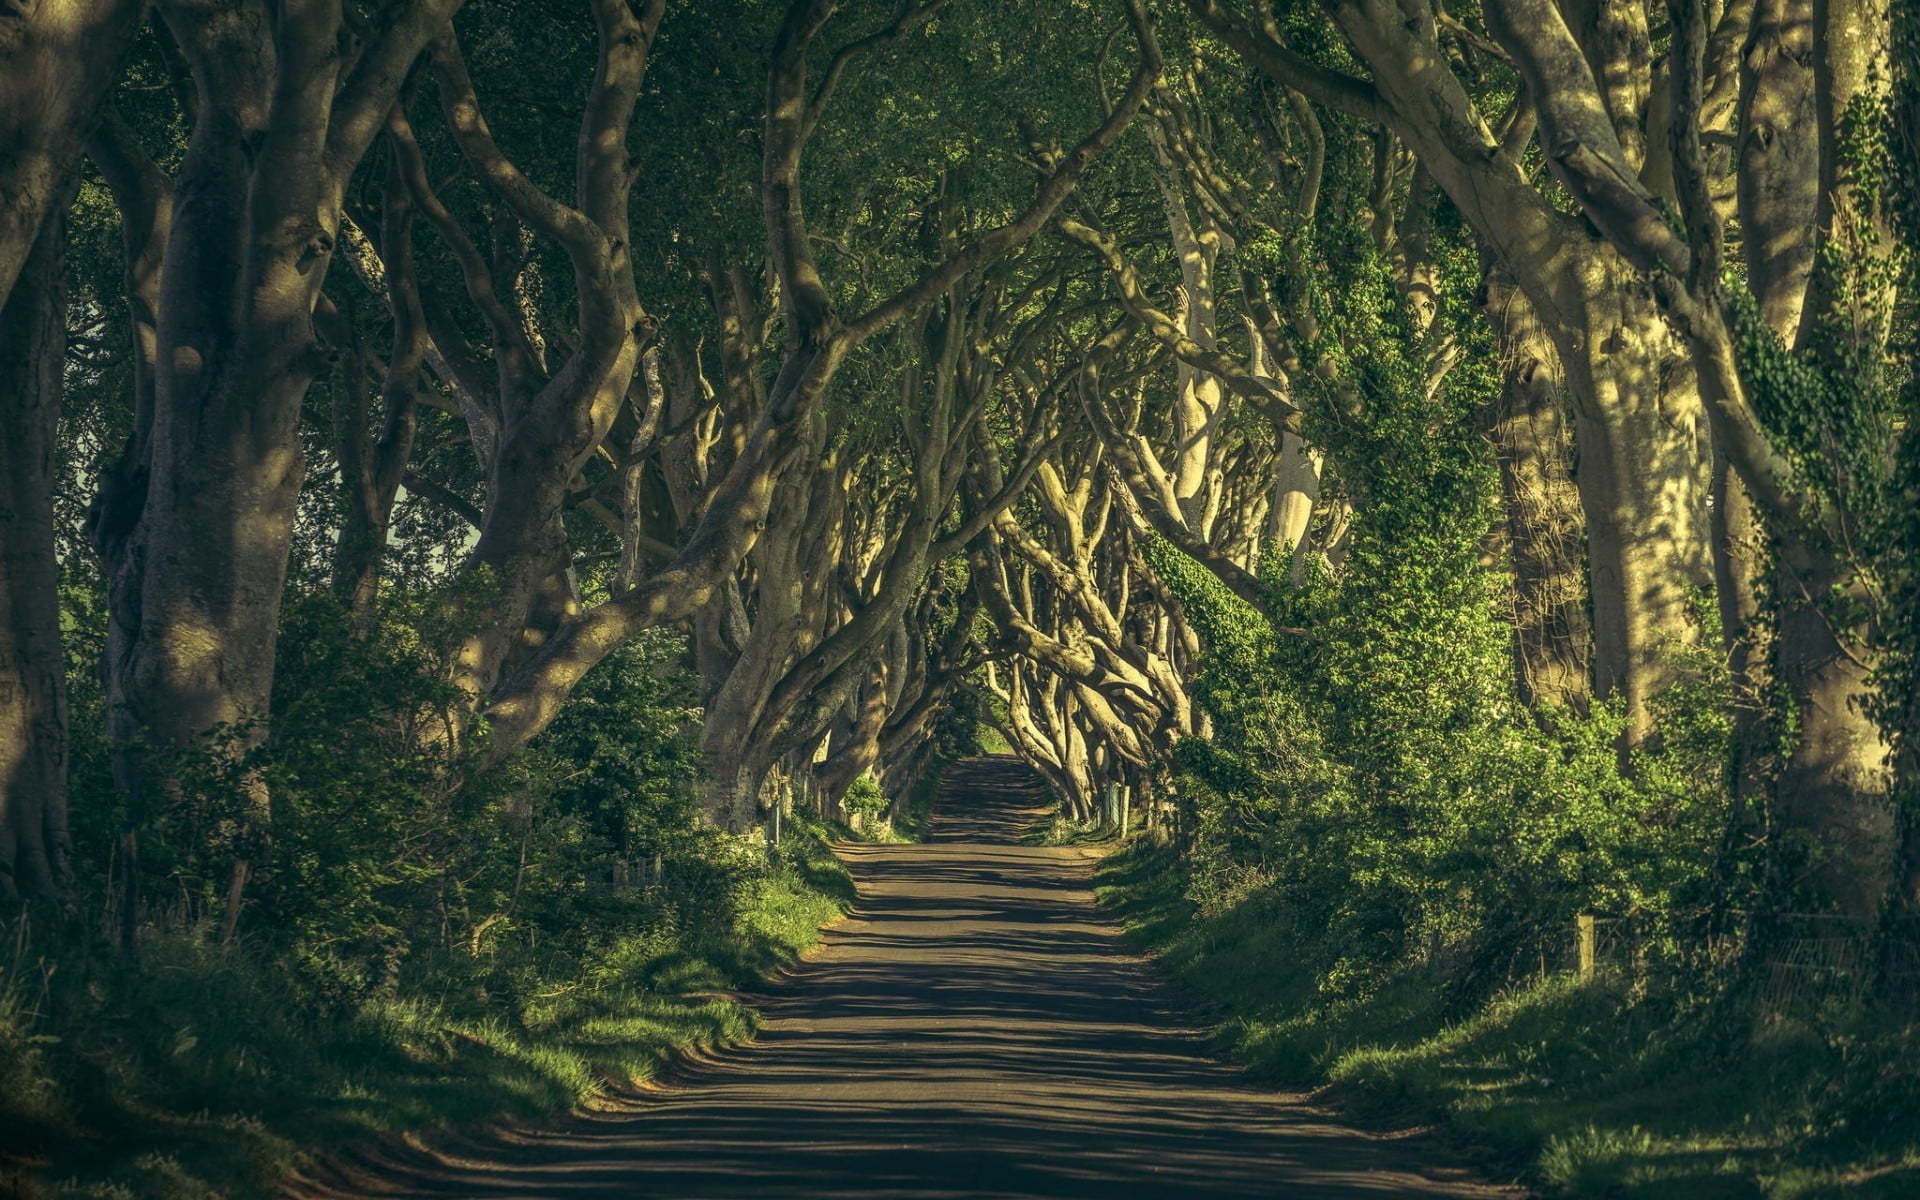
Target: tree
[
  {"x": 195, "y": 520},
  {"x": 56, "y": 63},
  {"x": 1642, "y": 467}
]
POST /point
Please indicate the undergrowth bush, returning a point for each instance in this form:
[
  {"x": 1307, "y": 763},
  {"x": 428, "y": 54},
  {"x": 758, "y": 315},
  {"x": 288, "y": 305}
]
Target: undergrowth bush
[{"x": 419, "y": 944}]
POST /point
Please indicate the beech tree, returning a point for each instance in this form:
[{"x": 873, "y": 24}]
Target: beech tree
[
  {"x": 818, "y": 340},
  {"x": 57, "y": 62},
  {"x": 1643, "y": 465}
]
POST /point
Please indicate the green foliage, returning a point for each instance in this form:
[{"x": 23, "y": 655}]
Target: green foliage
[
  {"x": 419, "y": 945},
  {"x": 1374, "y": 787},
  {"x": 1565, "y": 1083},
  {"x": 864, "y": 801}
]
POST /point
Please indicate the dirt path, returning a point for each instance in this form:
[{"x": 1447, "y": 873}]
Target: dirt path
[{"x": 976, "y": 1028}]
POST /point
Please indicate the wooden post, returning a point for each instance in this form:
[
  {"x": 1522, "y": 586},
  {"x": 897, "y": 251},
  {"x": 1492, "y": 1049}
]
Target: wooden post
[
  {"x": 1589, "y": 944},
  {"x": 1126, "y": 807}
]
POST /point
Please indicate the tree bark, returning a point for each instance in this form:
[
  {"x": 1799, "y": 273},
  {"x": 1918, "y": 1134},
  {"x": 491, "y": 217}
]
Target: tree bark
[
  {"x": 57, "y": 61},
  {"x": 1644, "y": 477},
  {"x": 195, "y": 523},
  {"x": 1834, "y": 789},
  {"x": 34, "y": 844},
  {"x": 1545, "y": 530}
]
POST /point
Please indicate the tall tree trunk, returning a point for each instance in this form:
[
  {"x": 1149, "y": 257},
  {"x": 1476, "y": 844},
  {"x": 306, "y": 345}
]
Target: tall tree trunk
[
  {"x": 1546, "y": 535},
  {"x": 1777, "y": 195},
  {"x": 1740, "y": 560},
  {"x": 1199, "y": 401},
  {"x": 1834, "y": 789},
  {"x": 1296, "y": 492},
  {"x": 1805, "y": 61},
  {"x": 34, "y": 847},
  {"x": 855, "y": 754},
  {"x": 57, "y": 61},
  {"x": 1643, "y": 470}
]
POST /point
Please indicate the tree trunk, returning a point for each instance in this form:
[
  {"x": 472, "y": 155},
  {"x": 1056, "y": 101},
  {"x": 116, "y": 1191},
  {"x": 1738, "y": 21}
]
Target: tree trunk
[
  {"x": 1832, "y": 795},
  {"x": 1296, "y": 492},
  {"x": 1643, "y": 470},
  {"x": 1739, "y": 560},
  {"x": 1553, "y": 639},
  {"x": 855, "y": 754},
  {"x": 1834, "y": 791},
  {"x": 1199, "y": 402},
  {"x": 34, "y": 846},
  {"x": 57, "y": 61}
]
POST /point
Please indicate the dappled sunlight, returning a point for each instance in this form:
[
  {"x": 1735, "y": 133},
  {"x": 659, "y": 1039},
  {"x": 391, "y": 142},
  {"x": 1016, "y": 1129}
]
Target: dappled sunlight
[{"x": 976, "y": 1026}]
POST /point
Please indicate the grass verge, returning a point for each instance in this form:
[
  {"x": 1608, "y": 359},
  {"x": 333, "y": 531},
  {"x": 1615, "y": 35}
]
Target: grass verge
[
  {"x": 207, "y": 1072},
  {"x": 1574, "y": 1088}
]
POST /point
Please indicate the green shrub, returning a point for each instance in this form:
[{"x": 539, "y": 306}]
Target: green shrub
[
  {"x": 421, "y": 944},
  {"x": 864, "y": 802}
]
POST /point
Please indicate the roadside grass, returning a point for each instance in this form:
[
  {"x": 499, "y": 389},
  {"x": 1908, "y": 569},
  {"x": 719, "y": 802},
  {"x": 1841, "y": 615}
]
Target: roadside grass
[
  {"x": 207, "y": 1072},
  {"x": 1572, "y": 1087}
]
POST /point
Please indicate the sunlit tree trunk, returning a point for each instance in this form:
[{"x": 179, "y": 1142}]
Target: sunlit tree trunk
[
  {"x": 1545, "y": 529},
  {"x": 1296, "y": 496}
]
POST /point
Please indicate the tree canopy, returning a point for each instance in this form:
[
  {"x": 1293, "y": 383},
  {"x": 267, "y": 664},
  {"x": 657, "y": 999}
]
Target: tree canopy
[{"x": 1453, "y": 469}]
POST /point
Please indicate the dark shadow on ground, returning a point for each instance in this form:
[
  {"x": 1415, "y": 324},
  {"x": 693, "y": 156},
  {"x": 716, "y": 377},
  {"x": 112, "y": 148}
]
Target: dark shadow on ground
[{"x": 977, "y": 1027}]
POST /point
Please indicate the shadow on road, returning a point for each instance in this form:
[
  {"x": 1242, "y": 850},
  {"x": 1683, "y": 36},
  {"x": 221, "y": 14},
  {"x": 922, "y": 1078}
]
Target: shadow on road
[{"x": 975, "y": 1028}]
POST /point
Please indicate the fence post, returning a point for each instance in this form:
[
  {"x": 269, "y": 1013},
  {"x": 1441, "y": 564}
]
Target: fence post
[
  {"x": 1589, "y": 943},
  {"x": 1126, "y": 807}
]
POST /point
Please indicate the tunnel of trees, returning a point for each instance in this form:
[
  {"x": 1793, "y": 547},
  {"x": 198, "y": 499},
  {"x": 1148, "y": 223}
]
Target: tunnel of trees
[{"x": 465, "y": 467}]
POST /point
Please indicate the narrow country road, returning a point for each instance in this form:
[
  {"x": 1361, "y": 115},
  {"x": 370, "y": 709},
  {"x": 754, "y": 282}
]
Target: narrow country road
[{"x": 977, "y": 1028}]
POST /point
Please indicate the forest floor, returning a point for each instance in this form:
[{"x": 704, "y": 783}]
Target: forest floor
[{"x": 977, "y": 1026}]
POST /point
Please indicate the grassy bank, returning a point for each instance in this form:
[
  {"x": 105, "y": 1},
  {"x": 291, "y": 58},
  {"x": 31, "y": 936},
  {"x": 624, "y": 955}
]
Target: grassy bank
[
  {"x": 1575, "y": 1088},
  {"x": 205, "y": 1071}
]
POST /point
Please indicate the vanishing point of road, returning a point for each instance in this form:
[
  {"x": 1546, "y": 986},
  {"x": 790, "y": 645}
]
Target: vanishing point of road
[{"x": 976, "y": 1028}]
